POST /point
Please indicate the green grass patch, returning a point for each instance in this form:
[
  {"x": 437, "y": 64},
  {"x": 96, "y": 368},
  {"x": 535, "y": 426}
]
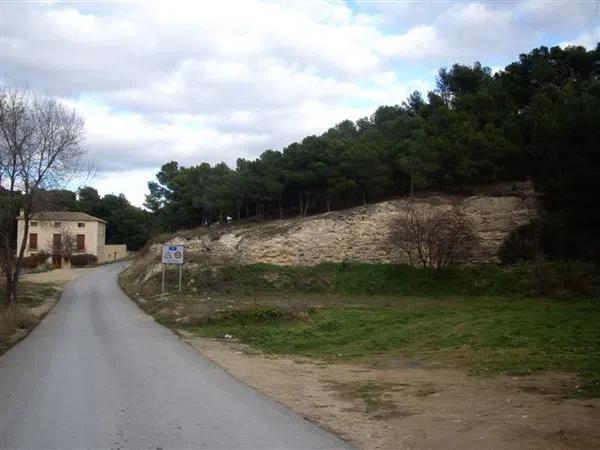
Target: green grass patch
[
  {"x": 487, "y": 335},
  {"x": 557, "y": 280}
]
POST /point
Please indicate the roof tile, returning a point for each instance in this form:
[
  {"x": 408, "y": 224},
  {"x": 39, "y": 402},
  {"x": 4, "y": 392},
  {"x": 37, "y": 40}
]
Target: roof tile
[{"x": 65, "y": 215}]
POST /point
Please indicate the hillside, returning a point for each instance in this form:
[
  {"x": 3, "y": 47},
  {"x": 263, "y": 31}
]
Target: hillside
[{"x": 358, "y": 234}]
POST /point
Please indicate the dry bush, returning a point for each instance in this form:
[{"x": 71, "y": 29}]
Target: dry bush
[
  {"x": 13, "y": 318},
  {"x": 434, "y": 237},
  {"x": 34, "y": 261}
]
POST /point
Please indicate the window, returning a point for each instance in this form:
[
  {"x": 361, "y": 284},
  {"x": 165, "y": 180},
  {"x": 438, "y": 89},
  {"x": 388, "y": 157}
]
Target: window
[
  {"x": 81, "y": 225},
  {"x": 57, "y": 224},
  {"x": 33, "y": 224},
  {"x": 81, "y": 242},
  {"x": 33, "y": 241}
]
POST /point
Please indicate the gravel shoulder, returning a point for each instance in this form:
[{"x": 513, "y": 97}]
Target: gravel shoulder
[{"x": 410, "y": 406}]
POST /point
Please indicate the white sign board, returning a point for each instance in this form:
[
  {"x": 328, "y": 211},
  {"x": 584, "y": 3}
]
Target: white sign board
[{"x": 172, "y": 254}]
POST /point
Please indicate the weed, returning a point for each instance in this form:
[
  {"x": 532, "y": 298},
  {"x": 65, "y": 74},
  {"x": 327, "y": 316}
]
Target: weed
[{"x": 375, "y": 396}]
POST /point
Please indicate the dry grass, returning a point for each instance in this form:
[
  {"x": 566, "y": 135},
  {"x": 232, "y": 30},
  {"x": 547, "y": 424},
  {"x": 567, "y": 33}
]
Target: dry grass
[
  {"x": 15, "y": 321},
  {"x": 33, "y": 303}
]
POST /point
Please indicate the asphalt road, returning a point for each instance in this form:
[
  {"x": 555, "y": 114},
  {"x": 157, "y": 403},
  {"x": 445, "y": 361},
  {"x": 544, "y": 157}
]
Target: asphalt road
[{"x": 99, "y": 373}]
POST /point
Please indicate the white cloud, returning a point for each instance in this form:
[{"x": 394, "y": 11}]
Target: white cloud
[
  {"x": 559, "y": 16},
  {"x": 588, "y": 39},
  {"x": 132, "y": 183},
  {"x": 418, "y": 42},
  {"x": 211, "y": 81}
]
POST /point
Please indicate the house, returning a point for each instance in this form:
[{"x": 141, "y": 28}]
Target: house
[{"x": 62, "y": 234}]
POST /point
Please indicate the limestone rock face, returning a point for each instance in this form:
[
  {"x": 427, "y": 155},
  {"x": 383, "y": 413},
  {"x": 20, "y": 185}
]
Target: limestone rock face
[{"x": 356, "y": 234}]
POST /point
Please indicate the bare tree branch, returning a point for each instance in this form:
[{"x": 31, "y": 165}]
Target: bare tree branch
[
  {"x": 434, "y": 236},
  {"x": 41, "y": 147}
]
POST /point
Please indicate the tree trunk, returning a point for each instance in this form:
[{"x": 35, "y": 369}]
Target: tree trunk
[
  {"x": 280, "y": 209},
  {"x": 10, "y": 289},
  {"x": 14, "y": 289},
  {"x": 238, "y": 211},
  {"x": 411, "y": 185},
  {"x": 247, "y": 211},
  {"x": 305, "y": 206},
  {"x": 19, "y": 259},
  {"x": 365, "y": 198},
  {"x": 301, "y": 209},
  {"x": 327, "y": 200}
]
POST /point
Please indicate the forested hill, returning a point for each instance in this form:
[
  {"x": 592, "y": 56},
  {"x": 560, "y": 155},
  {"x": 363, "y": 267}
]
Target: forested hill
[{"x": 537, "y": 119}]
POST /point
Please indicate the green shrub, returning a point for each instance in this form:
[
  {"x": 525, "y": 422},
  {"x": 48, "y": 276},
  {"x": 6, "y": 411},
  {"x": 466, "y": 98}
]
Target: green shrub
[{"x": 522, "y": 244}]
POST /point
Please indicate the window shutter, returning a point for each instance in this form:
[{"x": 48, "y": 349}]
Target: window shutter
[
  {"x": 81, "y": 242},
  {"x": 33, "y": 241}
]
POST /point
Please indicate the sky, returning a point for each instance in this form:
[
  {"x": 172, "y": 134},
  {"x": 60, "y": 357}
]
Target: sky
[{"x": 212, "y": 81}]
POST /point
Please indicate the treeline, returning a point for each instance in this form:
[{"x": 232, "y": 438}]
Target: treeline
[
  {"x": 537, "y": 119},
  {"x": 126, "y": 223}
]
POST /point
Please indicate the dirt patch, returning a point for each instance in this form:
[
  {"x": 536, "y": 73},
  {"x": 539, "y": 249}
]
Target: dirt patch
[
  {"x": 58, "y": 276},
  {"x": 411, "y": 406}
]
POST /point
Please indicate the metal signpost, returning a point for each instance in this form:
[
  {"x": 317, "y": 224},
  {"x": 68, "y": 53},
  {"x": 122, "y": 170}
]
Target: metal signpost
[{"x": 171, "y": 254}]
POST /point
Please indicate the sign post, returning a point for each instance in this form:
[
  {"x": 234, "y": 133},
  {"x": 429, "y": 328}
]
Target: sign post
[{"x": 172, "y": 254}]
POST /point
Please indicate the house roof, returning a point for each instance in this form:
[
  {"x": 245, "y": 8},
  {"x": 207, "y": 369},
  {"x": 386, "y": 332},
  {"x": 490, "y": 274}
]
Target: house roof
[{"x": 68, "y": 216}]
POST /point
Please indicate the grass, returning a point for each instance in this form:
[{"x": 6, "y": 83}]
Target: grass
[
  {"x": 518, "y": 337},
  {"x": 526, "y": 280},
  {"x": 489, "y": 319},
  {"x": 17, "y": 321}
]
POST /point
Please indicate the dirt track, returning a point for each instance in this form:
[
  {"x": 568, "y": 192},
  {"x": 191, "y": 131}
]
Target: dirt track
[{"x": 421, "y": 407}]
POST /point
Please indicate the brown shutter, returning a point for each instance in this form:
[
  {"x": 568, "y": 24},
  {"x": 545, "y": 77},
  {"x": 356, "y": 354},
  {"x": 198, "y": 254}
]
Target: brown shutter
[
  {"x": 33, "y": 241},
  {"x": 81, "y": 242}
]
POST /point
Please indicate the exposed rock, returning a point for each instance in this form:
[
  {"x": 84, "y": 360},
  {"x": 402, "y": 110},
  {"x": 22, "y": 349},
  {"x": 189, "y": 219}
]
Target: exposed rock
[{"x": 356, "y": 234}]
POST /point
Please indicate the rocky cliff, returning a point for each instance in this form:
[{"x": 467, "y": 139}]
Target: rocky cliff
[{"x": 356, "y": 234}]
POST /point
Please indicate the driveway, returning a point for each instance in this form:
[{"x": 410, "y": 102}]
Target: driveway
[
  {"x": 99, "y": 373},
  {"x": 57, "y": 276}
]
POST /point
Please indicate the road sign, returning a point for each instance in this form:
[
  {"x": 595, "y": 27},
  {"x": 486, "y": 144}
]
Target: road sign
[{"x": 172, "y": 254}]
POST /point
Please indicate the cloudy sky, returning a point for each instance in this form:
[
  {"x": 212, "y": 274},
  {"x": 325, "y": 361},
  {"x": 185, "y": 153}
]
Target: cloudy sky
[{"x": 215, "y": 80}]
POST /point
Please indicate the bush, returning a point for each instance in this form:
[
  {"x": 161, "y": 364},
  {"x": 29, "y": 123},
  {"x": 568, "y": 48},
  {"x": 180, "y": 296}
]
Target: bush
[
  {"x": 34, "y": 261},
  {"x": 434, "y": 237},
  {"x": 566, "y": 279},
  {"x": 522, "y": 244},
  {"x": 84, "y": 259}
]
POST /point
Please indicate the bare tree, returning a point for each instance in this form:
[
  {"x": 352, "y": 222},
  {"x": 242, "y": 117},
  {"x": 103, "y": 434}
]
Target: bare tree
[
  {"x": 40, "y": 148},
  {"x": 68, "y": 244},
  {"x": 434, "y": 236}
]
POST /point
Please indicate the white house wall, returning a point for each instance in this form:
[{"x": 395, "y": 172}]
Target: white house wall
[{"x": 45, "y": 230}]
